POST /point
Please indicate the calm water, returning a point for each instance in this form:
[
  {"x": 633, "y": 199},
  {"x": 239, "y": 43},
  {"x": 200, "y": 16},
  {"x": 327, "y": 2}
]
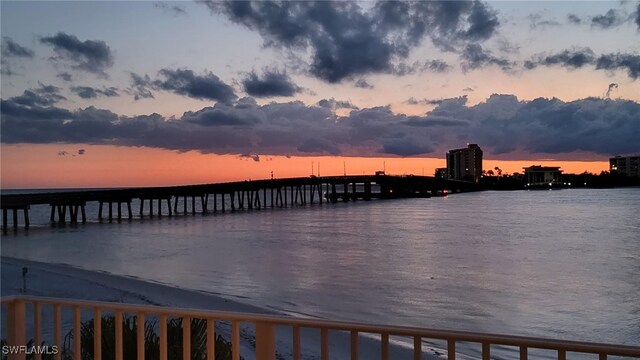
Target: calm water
[{"x": 559, "y": 264}]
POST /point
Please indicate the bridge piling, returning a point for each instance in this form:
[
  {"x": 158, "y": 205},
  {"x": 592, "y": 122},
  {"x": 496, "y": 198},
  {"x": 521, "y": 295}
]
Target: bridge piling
[
  {"x": 353, "y": 190},
  {"x": 367, "y": 191},
  {"x": 60, "y": 208},
  {"x": 241, "y": 199},
  {"x": 151, "y": 199},
  {"x": 312, "y": 191},
  {"x": 258, "y": 203},
  {"x": 14, "y": 213},
  {"x": 204, "y": 199},
  {"x": 279, "y": 197},
  {"x": 223, "y": 203},
  {"x": 232, "y": 198},
  {"x": 264, "y": 196}
]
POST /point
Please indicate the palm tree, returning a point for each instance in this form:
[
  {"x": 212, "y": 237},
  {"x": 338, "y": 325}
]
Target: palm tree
[{"x": 152, "y": 340}]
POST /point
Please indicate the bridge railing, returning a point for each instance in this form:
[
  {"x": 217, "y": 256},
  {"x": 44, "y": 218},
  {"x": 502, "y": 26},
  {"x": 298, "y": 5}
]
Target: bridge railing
[{"x": 22, "y": 308}]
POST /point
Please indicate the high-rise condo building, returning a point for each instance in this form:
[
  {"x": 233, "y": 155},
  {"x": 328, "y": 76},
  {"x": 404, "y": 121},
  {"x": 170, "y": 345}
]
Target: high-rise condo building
[
  {"x": 625, "y": 165},
  {"x": 465, "y": 164}
]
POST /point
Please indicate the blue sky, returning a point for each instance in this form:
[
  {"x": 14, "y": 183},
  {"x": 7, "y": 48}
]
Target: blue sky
[{"x": 526, "y": 80}]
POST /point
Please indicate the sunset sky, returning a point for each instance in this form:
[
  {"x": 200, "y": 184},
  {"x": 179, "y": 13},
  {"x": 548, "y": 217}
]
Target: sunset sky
[{"x": 119, "y": 93}]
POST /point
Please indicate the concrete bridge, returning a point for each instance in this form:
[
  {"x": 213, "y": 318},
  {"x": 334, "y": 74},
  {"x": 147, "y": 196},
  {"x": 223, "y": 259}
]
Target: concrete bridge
[{"x": 206, "y": 198}]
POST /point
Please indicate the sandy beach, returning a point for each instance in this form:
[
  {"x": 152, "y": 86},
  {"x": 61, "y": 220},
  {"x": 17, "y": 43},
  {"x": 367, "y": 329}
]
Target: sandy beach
[{"x": 65, "y": 281}]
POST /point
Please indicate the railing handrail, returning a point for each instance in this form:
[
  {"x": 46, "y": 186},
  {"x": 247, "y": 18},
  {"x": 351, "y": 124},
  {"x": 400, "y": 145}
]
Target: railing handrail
[{"x": 441, "y": 334}]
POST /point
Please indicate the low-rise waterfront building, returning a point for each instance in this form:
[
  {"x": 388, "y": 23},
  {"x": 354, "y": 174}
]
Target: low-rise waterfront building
[
  {"x": 441, "y": 173},
  {"x": 542, "y": 176}
]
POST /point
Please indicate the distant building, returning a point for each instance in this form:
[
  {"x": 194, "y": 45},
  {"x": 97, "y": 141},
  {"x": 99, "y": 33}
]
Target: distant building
[
  {"x": 625, "y": 165},
  {"x": 441, "y": 173},
  {"x": 465, "y": 164},
  {"x": 545, "y": 176}
]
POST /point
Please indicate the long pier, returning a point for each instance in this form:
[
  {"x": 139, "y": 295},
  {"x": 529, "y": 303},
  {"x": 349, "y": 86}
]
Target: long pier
[{"x": 70, "y": 206}]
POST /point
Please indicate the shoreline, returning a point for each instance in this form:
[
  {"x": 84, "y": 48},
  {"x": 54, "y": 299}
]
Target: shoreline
[{"x": 67, "y": 281}]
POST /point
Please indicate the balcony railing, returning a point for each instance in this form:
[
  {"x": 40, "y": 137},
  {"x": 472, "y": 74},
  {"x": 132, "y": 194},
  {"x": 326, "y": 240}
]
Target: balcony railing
[{"x": 21, "y": 308}]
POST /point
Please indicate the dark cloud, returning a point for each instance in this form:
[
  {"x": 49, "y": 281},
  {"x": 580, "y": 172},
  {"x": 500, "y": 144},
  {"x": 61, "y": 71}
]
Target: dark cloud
[
  {"x": 13, "y": 49},
  {"x": 272, "y": 83},
  {"x": 574, "y": 19},
  {"x": 504, "y": 126},
  {"x": 45, "y": 95},
  {"x": 346, "y": 41},
  {"x": 90, "y": 55},
  {"x": 140, "y": 87},
  {"x": 611, "y": 87},
  {"x": 575, "y": 58},
  {"x": 245, "y": 113},
  {"x": 87, "y": 92},
  {"x": 483, "y": 22},
  {"x": 174, "y": 9},
  {"x": 254, "y": 157},
  {"x": 405, "y": 147},
  {"x": 467, "y": 89},
  {"x": 185, "y": 82},
  {"x": 65, "y": 76},
  {"x": 474, "y": 57},
  {"x": 10, "y": 50},
  {"x": 6, "y": 69},
  {"x": 611, "y": 18},
  {"x": 403, "y": 69},
  {"x": 628, "y": 62},
  {"x": 413, "y": 101},
  {"x": 539, "y": 21},
  {"x": 336, "y": 104},
  {"x": 438, "y": 66},
  {"x": 363, "y": 84},
  {"x": 81, "y": 151},
  {"x": 578, "y": 58},
  {"x": 182, "y": 82},
  {"x": 319, "y": 146}
]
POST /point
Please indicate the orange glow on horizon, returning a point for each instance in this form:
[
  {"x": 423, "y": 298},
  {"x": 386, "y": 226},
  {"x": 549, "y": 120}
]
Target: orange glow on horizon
[{"x": 28, "y": 166}]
